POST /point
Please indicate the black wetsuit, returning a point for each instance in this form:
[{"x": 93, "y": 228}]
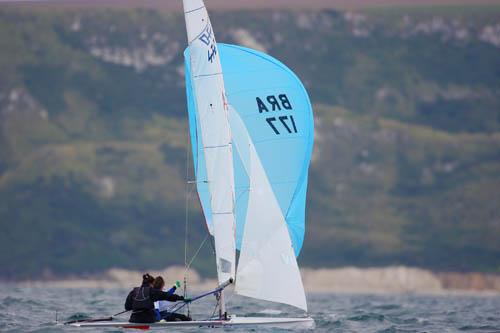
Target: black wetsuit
[
  {"x": 141, "y": 301},
  {"x": 169, "y": 316}
]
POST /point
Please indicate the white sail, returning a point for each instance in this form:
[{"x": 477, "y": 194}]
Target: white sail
[
  {"x": 212, "y": 114},
  {"x": 267, "y": 267}
]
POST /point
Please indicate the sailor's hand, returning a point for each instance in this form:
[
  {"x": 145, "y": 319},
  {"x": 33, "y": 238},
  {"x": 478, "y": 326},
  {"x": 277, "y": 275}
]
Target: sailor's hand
[{"x": 178, "y": 284}]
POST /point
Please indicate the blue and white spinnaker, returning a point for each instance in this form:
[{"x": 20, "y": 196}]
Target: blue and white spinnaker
[
  {"x": 276, "y": 110},
  {"x": 271, "y": 123}
]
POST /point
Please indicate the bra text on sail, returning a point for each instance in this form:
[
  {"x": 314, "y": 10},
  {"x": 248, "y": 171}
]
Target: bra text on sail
[{"x": 275, "y": 104}]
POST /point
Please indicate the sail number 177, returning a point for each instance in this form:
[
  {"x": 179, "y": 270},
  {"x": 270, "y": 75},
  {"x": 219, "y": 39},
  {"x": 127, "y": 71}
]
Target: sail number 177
[
  {"x": 286, "y": 121},
  {"x": 276, "y": 103}
]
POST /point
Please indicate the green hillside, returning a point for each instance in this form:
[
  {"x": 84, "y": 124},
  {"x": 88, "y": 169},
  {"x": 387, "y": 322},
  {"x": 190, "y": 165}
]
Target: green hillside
[{"x": 93, "y": 136}]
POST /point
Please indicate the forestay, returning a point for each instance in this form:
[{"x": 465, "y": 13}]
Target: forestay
[{"x": 208, "y": 115}]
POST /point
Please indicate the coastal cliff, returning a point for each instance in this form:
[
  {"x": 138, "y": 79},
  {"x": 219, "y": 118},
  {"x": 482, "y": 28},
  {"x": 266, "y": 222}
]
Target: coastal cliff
[{"x": 387, "y": 280}]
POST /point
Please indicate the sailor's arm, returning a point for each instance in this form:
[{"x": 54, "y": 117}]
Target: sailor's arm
[
  {"x": 128, "y": 301},
  {"x": 159, "y": 295},
  {"x": 174, "y": 287}
]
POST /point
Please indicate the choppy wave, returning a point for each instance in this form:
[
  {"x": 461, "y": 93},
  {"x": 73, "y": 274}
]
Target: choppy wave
[{"x": 35, "y": 310}]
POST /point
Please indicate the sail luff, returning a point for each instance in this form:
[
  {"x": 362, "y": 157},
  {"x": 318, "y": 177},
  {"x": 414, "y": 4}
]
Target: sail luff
[{"x": 211, "y": 113}]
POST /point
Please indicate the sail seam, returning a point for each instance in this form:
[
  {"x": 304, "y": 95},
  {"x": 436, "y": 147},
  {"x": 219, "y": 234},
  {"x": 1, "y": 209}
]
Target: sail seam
[
  {"x": 215, "y": 147},
  {"x": 194, "y": 10},
  {"x": 205, "y": 75}
]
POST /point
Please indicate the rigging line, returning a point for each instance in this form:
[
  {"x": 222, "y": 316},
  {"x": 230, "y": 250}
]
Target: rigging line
[
  {"x": 197, "y": 251},
  {"x": 186, "y": 223},
  {"x": 189, "y": 191},
  {"x": 215, "y": 310},
  {"x": 186, "y": 231},
  {"x": 245, "y": 191}
]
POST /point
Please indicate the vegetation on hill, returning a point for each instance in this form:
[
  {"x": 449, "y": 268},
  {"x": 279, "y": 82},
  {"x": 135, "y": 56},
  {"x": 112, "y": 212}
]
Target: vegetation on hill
[{"x": 93, "y": 136}]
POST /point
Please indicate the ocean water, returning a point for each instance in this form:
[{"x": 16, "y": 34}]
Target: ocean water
[{"x": 35, "y": 310}]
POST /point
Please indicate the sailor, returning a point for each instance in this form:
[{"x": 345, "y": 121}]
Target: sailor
[
  {"x": 141, "y": 301},
  {"x": 162, "y": 307}
]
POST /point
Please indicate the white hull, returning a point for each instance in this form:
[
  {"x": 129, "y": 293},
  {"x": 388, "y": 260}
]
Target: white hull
[{"x": 290, "y": 323}]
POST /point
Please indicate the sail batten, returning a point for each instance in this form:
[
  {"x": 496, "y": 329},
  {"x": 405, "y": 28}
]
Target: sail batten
[{"x": 194, "y": 10}]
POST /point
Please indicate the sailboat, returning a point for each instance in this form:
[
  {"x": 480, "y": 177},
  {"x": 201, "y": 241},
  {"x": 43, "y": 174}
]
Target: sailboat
[{"x": 251, "y": 128}]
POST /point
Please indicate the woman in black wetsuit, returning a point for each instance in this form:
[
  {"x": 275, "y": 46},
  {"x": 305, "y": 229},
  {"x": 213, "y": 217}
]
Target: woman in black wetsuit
[{"x": 141, "y": 301}]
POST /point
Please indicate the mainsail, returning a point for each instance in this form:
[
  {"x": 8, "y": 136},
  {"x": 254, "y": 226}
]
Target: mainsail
[
  {"x": 268, "y": 119},
  {"x": 214, "y": 170}
]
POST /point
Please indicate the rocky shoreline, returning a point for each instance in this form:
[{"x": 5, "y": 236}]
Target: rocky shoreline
[
  {"x": 387, "y": 280},
  {"x": 397, "y": 280}
]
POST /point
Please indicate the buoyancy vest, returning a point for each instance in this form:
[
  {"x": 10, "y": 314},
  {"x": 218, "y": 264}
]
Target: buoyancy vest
[{"x": 142, "y": 299}]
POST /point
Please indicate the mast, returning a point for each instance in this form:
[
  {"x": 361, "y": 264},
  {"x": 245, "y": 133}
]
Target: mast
[{"x": 212, "y": 125}]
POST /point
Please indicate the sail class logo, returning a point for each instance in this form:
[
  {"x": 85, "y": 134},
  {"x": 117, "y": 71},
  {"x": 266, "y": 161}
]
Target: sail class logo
[{"x": 207, "y": 37}]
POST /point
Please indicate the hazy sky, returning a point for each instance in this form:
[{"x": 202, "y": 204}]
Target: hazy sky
[{"x": 237, "y": 4}]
